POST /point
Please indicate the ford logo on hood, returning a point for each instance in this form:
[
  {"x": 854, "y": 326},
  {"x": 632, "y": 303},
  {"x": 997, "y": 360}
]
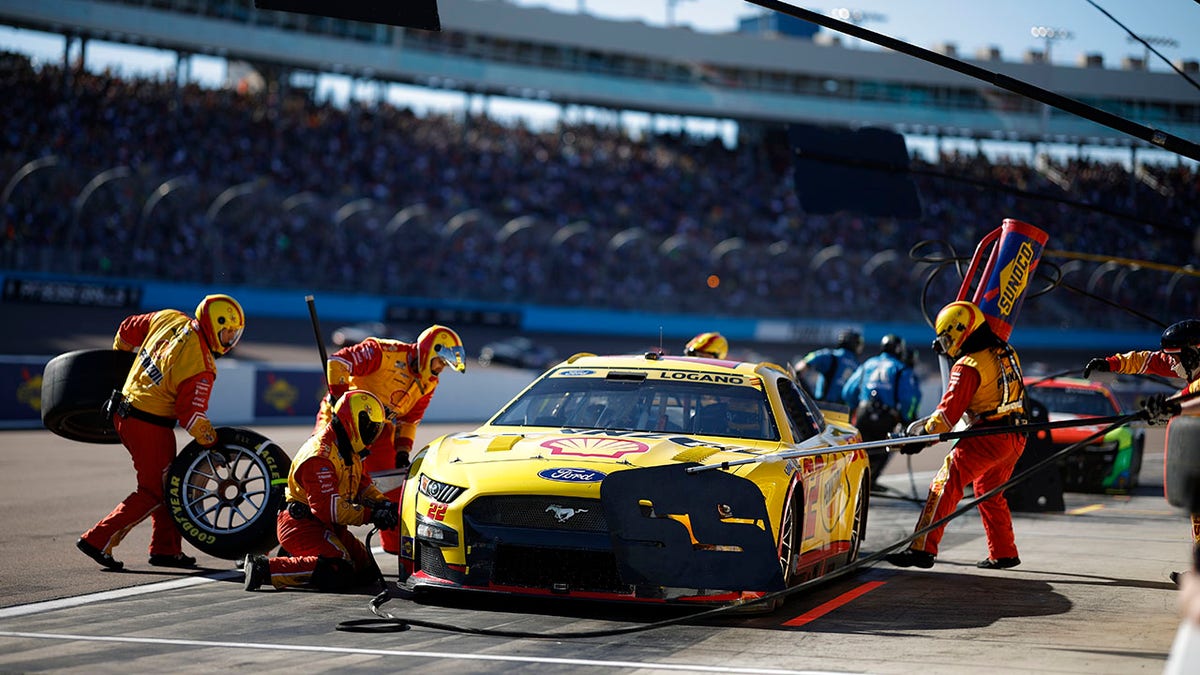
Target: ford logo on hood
[{"x": 568, "y": 475}]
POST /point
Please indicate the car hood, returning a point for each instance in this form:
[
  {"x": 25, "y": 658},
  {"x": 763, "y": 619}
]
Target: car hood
[{"x": 504, "y": 459}]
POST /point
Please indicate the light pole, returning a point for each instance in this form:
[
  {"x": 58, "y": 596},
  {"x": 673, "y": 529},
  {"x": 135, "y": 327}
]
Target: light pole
[
  {"x": 856, "y": 16},
  {"x": 1049, "y": 35},
  {"x": 1146, "y": 41},
  {"x": 671, "y": 11}
]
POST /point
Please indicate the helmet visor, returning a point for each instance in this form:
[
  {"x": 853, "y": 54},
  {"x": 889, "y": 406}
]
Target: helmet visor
[
  {"x": 454, "y": 356},
  {"x": 368, "y": 429}
]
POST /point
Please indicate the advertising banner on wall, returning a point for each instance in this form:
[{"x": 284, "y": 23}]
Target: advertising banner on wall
[{"x": 282, "y": 393}]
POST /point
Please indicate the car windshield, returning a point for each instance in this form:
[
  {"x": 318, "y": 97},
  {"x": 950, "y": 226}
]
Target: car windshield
[
  {"x": 1074, "y": 401},
  {"x": 634, "y": 402}
]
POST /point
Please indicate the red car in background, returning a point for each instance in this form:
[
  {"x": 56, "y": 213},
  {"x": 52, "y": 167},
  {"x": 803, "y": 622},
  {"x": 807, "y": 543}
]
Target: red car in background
[{"x": 1108, "y": 464}]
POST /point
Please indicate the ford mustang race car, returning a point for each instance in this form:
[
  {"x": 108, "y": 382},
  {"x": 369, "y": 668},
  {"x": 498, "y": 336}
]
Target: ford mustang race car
[
  {"x": 1110, "y": 463},
  {"x": 644, "y": 478}
]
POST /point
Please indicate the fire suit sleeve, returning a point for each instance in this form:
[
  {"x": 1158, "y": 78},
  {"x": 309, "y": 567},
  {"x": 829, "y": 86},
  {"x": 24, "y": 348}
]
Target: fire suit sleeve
[
  {"x": 355, "y": 360},
  {"x": 850, "y": 393},
  {"x": 1143, "y": 362},
  {"x": 320, "y": 482},
  {"x": 964, "y": 382},
  {"x": 191, "y": 407},
  {"x": 132, "y": 332},
  {"x": 369, "y": 492}
]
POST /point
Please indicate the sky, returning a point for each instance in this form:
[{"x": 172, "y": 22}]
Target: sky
[{"x": 969, "y": 24}]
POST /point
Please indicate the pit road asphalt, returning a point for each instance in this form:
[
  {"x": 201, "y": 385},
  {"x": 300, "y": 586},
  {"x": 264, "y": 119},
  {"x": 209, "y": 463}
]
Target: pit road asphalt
[{"x": 1092, "y": 594}]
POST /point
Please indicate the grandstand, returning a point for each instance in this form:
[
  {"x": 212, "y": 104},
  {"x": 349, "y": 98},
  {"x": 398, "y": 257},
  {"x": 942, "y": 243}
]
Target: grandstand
[{"x": 165, "y": 180}]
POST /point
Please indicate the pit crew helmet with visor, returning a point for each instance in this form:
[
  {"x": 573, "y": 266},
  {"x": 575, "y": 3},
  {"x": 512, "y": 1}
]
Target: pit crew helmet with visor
[
  {"x": 711, "y": 345},
  {"x": 439, "y": 343},
  {"x": 1182, "y": 340},
  {"x": 360, "y": 414},
  {"x": 221, "y": 321},
  {"x": 954, "y": 324}
]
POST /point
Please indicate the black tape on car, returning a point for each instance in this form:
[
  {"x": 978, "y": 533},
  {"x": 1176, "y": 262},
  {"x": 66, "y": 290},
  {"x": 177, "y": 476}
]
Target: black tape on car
[
  {"x": 1181, "y": 480},
  {"x": 708, "y": 530}
]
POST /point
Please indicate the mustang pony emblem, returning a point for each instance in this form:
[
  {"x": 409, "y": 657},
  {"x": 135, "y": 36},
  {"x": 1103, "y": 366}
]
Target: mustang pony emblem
[{"x": 562, "y": 513}]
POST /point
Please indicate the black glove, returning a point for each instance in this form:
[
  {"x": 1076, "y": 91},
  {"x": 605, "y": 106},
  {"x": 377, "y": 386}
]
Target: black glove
[
  {"x": 386, "y": 516},
  {"x": 402, "y": 460},
  {"x": 1158, "y": 409},
  {"x": 915, "y": 428},
  {"x": 1098, "y": 365}
]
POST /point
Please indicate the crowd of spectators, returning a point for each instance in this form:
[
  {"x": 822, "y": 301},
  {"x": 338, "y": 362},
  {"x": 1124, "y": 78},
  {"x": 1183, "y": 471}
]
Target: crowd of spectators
[{"x": 143, "y": 178}]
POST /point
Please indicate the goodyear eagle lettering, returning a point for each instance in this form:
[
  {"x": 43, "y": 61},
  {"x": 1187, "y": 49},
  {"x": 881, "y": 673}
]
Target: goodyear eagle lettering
[
  {"x": 703, "y": 377},
  {"x": 1014, "y": 277}
]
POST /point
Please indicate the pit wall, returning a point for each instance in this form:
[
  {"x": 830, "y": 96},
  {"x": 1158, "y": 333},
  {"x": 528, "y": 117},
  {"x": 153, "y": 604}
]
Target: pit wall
[{"x": 260, "y": 393}]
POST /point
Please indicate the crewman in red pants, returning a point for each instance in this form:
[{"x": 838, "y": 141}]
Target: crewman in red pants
[
  {"x": 328, "y": 490},
  {"x": 404, "y": 376},
  {"x": 170, "y": 381},
  {"x": 985, "y": 384}
]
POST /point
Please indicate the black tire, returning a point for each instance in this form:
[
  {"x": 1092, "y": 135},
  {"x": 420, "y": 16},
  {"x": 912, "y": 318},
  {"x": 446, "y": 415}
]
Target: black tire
[
  {"x": 225, "y": 499},
  {"x": 75, "y": 386},
  {"x": 861, "y": 509},
  {"x": 791, "y": 534}
]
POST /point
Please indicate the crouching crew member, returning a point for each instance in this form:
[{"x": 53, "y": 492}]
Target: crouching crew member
[
  {"x": 404, "y": 377},
  {"x": 985, "y": 383},
  {"x": 328, "y": 490}
]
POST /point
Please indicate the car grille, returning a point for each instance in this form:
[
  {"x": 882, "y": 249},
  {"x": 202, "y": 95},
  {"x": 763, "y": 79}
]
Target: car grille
[
  {"x": 560, "y": 569},
  {"x": 434, "y": 563},
  {"x": 542, "y": 512}
]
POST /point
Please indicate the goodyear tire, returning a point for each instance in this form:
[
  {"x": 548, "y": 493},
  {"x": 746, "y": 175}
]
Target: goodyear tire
[
  {"x": 74, "y": 387},
  {"x": 224, "y": 499},
  {"x": 861, "y": 509}
]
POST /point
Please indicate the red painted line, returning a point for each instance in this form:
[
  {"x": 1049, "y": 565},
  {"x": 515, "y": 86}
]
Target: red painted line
[{"x": 822, "y": 610}]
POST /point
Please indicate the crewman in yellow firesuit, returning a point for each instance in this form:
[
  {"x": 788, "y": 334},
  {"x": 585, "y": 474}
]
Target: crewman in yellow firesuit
[
  {"x": 170, "y": 381},
  {"x": 985, "y": 383},
  {"x": 404, "y": 376},
  {"x": 327, "y": 491}
]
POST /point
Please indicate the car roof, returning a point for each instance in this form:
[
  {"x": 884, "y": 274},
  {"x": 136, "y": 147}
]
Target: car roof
[
  {"x": 659, "y": 361},
  {"x": 1067, "y": 383}
]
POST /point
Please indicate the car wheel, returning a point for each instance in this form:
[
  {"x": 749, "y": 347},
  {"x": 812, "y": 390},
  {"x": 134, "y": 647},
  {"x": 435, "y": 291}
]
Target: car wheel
[
  {"x": 791, "y": 533},
  {"x": 75, "y": 386},
  {"x": 224, "y": 499},
  {"x": 1135, "y": 462},
  {"x": 859, "y": 533}
]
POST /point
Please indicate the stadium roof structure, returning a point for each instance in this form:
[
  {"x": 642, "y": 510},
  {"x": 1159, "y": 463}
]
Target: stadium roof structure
[{"x": 490, "y": 47}]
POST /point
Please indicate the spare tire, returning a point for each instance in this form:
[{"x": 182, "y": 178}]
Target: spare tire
[
  {"x": 75, "y": 386},
  {"x": 224, "y": 499}
]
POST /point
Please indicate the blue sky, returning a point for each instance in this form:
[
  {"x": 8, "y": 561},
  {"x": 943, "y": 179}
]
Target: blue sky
[{"x": 971, "y": 24}]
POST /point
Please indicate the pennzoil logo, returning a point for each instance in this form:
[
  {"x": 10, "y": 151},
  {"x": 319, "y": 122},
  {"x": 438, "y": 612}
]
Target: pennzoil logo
[
  {"x": 280, "y": 394},
  {"x": 1014, "y": 278}
]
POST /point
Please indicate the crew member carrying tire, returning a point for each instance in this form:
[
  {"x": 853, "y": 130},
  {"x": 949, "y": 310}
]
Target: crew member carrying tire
[
  {"x": 404, "y": 377},
  {"x": 171, "y": 380},
  {"x": 328, "y": 490}
]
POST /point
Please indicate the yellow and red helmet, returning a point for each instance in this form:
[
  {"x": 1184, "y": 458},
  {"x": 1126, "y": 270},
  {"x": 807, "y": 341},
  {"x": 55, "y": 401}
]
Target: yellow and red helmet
[
  {"x": 221, "y": 321},
  {"x": 439, "y": 342},
  {"x": 361, "y": 416},
  {"x": 954, "y": 324},
  {"x": 712, "y": 345}
]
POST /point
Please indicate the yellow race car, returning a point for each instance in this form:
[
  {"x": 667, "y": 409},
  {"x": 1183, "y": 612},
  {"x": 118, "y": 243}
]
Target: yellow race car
[{"x": 643, "y": 478}]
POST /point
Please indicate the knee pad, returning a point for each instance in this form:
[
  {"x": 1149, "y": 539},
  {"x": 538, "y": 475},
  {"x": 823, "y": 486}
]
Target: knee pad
[{"x": 332, "y": 574}]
